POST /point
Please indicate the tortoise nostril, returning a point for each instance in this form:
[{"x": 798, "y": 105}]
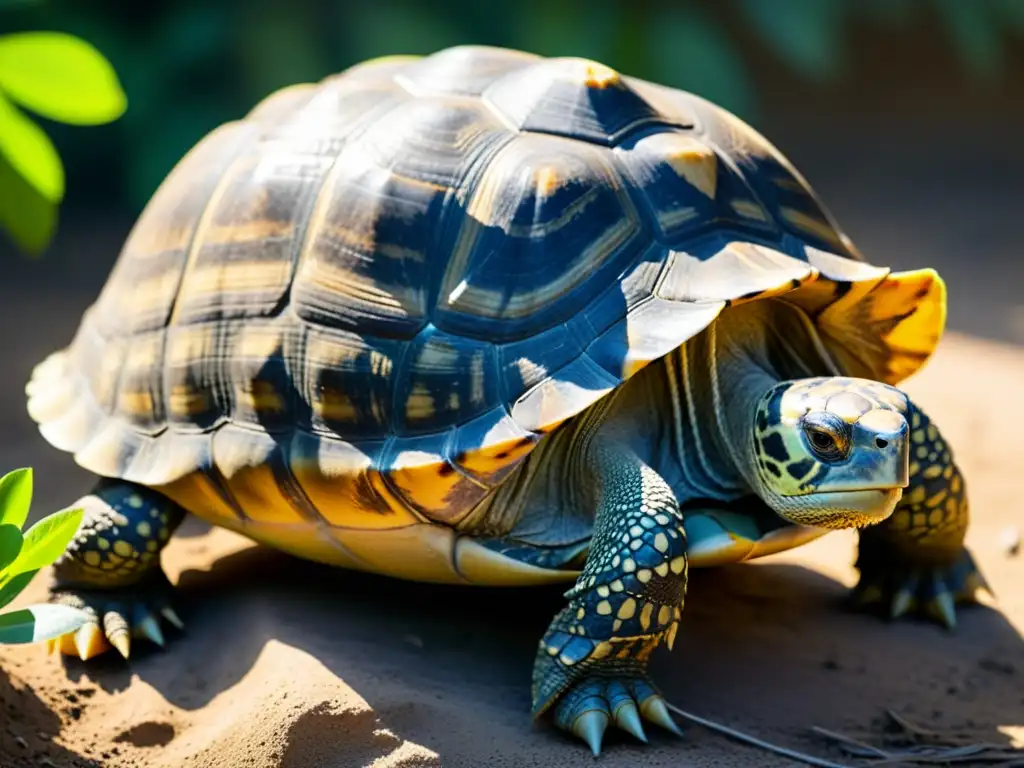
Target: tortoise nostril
[{"x": 881, "y": 442}]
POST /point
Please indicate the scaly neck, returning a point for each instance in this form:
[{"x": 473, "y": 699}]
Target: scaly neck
[{"x": 722, "y": 374}]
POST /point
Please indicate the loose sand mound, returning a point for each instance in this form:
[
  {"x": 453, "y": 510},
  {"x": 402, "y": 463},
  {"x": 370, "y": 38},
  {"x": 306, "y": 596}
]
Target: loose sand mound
[{"x": 290, "y": 664}]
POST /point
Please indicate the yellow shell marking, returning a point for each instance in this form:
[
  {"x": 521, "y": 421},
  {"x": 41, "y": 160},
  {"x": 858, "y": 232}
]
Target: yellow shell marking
[
  {"x": 593, "y": 74},
  {"x": 692, "y": 161}
]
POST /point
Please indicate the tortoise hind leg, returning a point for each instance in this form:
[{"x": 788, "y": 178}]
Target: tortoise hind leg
[
  {"x": 916, "y": 559},
  {"x": 591, "y": 665},
  {"x": 112, "y": 569}
]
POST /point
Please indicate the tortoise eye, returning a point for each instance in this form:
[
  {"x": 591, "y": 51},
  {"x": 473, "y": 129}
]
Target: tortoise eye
[
  {"x": 826, "y": 438},
  {"x": 823, "y": 441}
]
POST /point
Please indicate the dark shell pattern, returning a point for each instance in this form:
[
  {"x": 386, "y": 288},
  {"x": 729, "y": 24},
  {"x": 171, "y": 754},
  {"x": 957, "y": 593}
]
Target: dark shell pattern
[{"x": 358, "y": 308}]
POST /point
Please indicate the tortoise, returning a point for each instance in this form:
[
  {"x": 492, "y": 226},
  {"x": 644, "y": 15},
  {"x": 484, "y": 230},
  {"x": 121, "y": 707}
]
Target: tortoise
[{"x": 484, "y": 317}]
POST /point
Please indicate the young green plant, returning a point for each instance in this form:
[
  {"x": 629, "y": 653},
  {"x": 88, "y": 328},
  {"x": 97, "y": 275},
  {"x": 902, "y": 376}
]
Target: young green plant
[{"x": 21, "y": 557}]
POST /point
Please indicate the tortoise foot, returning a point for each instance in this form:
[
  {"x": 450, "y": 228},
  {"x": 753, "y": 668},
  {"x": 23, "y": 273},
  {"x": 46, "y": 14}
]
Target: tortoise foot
[
  {"x": 587, "y": 709},
  {"x": 897, "y": 587},
  {"x": 118, "y": 616}
]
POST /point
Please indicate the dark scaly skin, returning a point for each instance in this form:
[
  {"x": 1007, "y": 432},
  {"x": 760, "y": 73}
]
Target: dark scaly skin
[
  {"x": 916, "y": 559},
  {"x": 112, "y": 568},
  {"x": 591, "y": 663}
]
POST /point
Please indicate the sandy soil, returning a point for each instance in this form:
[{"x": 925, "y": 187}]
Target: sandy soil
[{"x": 289, "y": 664}]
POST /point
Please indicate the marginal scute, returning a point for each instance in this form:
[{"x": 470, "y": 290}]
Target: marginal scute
[
  {"x": 572, "y": 97},
  {"x": 562, "y": 395},
  {"x": 74, "y": 422},
  {"x": 728, "y": 270},
  {"x": 525, "y": 364},
  {"x": 342, "y": 483},
  {"x": 877, "y": 324},
  {"x": 465, "y": 70},
  {"x": 421, "y": 552},
  {"x": 490, "y": 446},
  {"x": 420, "y": 471},
  {"x": 484, "y": 567},
  {"x": 253, "y": 465},
  {"x": 649, "y": 332}
]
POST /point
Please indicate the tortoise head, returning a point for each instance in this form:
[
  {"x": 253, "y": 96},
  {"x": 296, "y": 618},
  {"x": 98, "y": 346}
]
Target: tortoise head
[{"x": 832, "y": 452}]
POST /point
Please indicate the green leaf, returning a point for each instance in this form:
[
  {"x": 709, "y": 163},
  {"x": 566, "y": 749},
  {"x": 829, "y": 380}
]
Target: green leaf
[
  {"x": 15, "y": 497},
  {"x": 29, "y": 218},
  {"x": 11, "y": 587},
  {"x": 39, "y": 622},
  {"x": 47, "y": 539},
  {"x": 61, "y": 77},
  {"x": 10, "y": 545},
  {"x": 30, "y": 152}
]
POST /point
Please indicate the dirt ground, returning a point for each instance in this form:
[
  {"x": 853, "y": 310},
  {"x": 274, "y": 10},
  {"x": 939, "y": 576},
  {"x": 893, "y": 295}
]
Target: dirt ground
[{"x": 290, "y": 664}]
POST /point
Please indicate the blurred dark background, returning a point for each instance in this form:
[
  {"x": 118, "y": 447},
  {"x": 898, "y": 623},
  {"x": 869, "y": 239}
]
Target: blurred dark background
[{"x": 907, "y": 116}]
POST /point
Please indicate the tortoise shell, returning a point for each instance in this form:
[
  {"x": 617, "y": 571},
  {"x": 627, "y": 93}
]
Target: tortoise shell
[{"x": 357, "y": 309}]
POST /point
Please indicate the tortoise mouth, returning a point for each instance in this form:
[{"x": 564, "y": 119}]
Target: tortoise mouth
[{"x": 846, "y": 509}]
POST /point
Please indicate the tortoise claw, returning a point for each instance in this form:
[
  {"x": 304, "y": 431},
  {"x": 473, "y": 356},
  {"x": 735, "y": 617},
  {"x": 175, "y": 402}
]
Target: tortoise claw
[
  {"x": 627, "y": 717},
  {"x": 117, "y": 616},
  {"x": 172, "y": 618},
  {"x": 932, "y": 590},
  {"x": 149, "y": 628},
  {"x": 653, "y": 708},
  {"x": 89, "y": 641},
  {"x": 590, "y": 727},
  {"x": 123, "y": 644}
]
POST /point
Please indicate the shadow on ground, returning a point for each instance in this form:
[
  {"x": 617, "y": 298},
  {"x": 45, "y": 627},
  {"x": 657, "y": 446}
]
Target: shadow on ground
[{"x": 758, "y": 645}]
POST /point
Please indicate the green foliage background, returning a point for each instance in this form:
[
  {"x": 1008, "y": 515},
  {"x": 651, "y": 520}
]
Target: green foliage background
[{"x": 189, "y": 65}]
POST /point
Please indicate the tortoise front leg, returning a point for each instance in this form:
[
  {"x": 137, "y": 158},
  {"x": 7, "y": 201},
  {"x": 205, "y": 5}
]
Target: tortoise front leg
[
  {"x": 112, "y": 569},
  {"x": 916, "y": 559},
  {"x": 591, "y": 665}
]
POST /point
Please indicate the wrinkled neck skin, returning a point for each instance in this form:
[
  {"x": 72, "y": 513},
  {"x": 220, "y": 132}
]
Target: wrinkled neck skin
[{"x": 691, "y": 415}]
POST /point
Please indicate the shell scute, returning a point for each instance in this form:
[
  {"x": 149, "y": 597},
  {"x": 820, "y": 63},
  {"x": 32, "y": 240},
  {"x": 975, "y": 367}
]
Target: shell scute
[
  {"x": 194, "y": 378},
  {"x": 489, "y": 447},
  {"x": 446, "y": 380},
  {"x": 348, "y": 380},
  {"x": 242, "y": 263},
  {"x": 341, "y": 480},
  {"x": 576, "y": 98},
  {"x": 724, "y": 270},
  {"x": 262, "y": 368},
  {"x": 548, "y": 224},
  {"x": 464, "y": 70},
  {"x": 143, "y": 285},
  {"x": 525, "y": 364},
  {"x": 421, "y": 471},
  {"x": 139, "y": 398}
]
